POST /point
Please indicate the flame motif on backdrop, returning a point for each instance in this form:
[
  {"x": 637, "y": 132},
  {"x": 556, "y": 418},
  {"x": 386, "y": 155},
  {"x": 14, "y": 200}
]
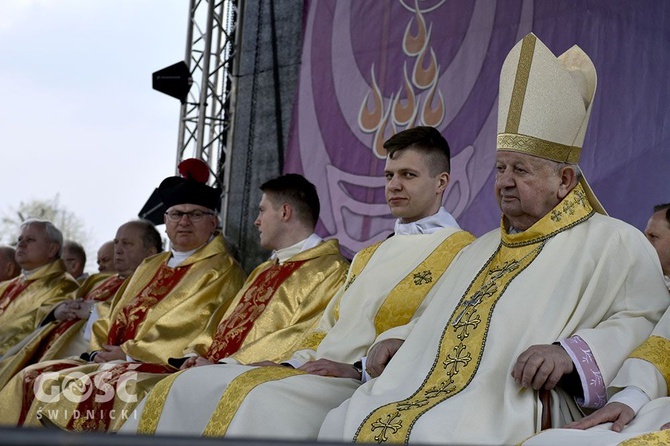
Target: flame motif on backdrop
[
  {"x": 408, "y": 106},
  {"x": 361, "y": 84}
]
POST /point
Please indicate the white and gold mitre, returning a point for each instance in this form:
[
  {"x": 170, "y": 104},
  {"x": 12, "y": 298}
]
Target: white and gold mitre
[{"x": 545, "y": 102}]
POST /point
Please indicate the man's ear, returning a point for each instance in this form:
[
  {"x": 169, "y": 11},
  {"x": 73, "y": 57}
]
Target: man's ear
[
  {"x": 53, "y": 249},
  {"x": 568, "y": 177},
  {"x": 286, "y": 211},
  {"x": 443, "y": 181}
]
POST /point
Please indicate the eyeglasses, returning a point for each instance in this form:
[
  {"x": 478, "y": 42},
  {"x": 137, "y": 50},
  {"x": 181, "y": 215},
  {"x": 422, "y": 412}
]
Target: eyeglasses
[{"x": 193, "y": 215}]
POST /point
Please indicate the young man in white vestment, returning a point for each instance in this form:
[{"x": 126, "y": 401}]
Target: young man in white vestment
[
  {"x": 536, "y": 303},
  {"x": 385, "y": 290}
]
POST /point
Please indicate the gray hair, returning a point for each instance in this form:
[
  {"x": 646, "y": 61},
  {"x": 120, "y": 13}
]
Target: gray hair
[
  {"x": 574, "y": 166},
  {"x": 53, "y": 233}
]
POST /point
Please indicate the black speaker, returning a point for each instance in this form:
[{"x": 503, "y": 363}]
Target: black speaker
[{"x": 174, "y": 81}]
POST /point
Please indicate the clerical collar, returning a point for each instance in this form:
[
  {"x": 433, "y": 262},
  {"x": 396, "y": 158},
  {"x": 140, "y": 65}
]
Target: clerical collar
[
  {"x": 427, "y": 225},
  {"x": 667, "y": 282},
  {"x": 284, "y": 254},
  {"x": 180, "y": 256},
  {"x": 25, "y": 274}
]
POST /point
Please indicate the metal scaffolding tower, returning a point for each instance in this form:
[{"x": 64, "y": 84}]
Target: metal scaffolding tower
[{"x": 205, "y": 117}]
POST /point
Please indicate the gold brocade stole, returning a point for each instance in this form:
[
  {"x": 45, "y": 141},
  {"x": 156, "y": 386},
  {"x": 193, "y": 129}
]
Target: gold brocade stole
[
  {"x": 658, "y": 438},
  {"x": 655, "y": 350},
  {"x": 403, "y": 300},
  {"x": 312, "y": 339},
  {"x": 237, "y": 390},
  {"x": 233, "y": 330},
  {"x": 132, "y": 315},
  {"x": 12, "y": 292},
  {"x": 155, "y": 401},
  {"x": 360, "y": 262},
  {"x": 463, "y": 339}
]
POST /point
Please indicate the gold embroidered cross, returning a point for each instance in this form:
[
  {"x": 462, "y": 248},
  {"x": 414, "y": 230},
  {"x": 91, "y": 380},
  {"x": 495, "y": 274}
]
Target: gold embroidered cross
[
  {"x": 451, "y": 365},
  {"x": 390, "y": 423},
  {"x": 422, "y": 277},
  {"x": 556, "y": 215},
  {"x": 407, "y": 405},
  {"x": 580, "y": 197},
  {"x": 463, "y": 326},
  {"x": 569, "y": 207}
]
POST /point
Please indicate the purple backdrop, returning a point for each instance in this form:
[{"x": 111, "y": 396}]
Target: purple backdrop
[{"x": 372, "y": 68}]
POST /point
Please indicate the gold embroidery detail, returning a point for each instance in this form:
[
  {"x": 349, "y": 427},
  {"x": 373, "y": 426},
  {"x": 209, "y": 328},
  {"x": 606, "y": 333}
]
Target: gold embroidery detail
[
  {"x": 520, "y": 84},
  {"x": 237, "y": 391},
  {"x": 458, "y": 348},
  {"x": 655, "y": 350},
  {"x": 658, "y": 438},
  {"x": 402, "y": 302},
  {"x": 389, "y": 423},
  {"x": 464, "y": 338},
  {"x": 153, "y": 408},
  {"x": 312, "y": 340},
  {"x": 539, "y": 147},
  {"x": 423, "y": 277}
]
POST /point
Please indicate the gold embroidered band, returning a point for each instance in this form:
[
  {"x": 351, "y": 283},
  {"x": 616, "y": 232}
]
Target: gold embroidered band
[
  {"x": 539, "y": 147},
  {"x": 153, "y": 408},
  {"x": 237, "y": 391},
  {"x": 402, "y": 302},
  {"x": 464, "y": 337},
  {"x": 520, "y": 84},
  {"x": 312, "y": 339},
  {"x": 655, "y": 350},
  {"x": 657, "y": 438}
]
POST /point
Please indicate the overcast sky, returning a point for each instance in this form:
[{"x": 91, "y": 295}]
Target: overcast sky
[{"x": 79, "y": 117}]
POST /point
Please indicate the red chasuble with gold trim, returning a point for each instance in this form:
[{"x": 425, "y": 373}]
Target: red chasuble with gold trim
[
  {"x": 124, "y": 328},
  {"x": 132, "y": 315},
  {"x": 12, "y": 292},
  {"x": 101, "y": 293},
  {"x": 232, "y": 331}
]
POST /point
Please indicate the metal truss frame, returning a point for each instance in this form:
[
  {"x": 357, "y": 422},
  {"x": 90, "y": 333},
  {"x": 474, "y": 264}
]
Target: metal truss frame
[{"x": 205, "y": 118}]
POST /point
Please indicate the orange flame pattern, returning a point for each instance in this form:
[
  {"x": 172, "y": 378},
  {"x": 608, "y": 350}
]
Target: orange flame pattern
[{"x": 418, "y": 100}]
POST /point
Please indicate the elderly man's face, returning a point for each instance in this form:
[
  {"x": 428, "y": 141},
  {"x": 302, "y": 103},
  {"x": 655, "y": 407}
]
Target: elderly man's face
[
  {"x": 527, "y": 187},
  {"x": 658, "y": 233},
  {"x": 34, "y": 249},
  {"x": 186, "y": 234}
]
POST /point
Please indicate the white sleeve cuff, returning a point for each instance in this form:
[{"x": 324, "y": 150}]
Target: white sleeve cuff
[
  {"x": 293, "y": 363},
  {"x": 364, "y": 373},
  {"x": 632, "y": 397}
]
